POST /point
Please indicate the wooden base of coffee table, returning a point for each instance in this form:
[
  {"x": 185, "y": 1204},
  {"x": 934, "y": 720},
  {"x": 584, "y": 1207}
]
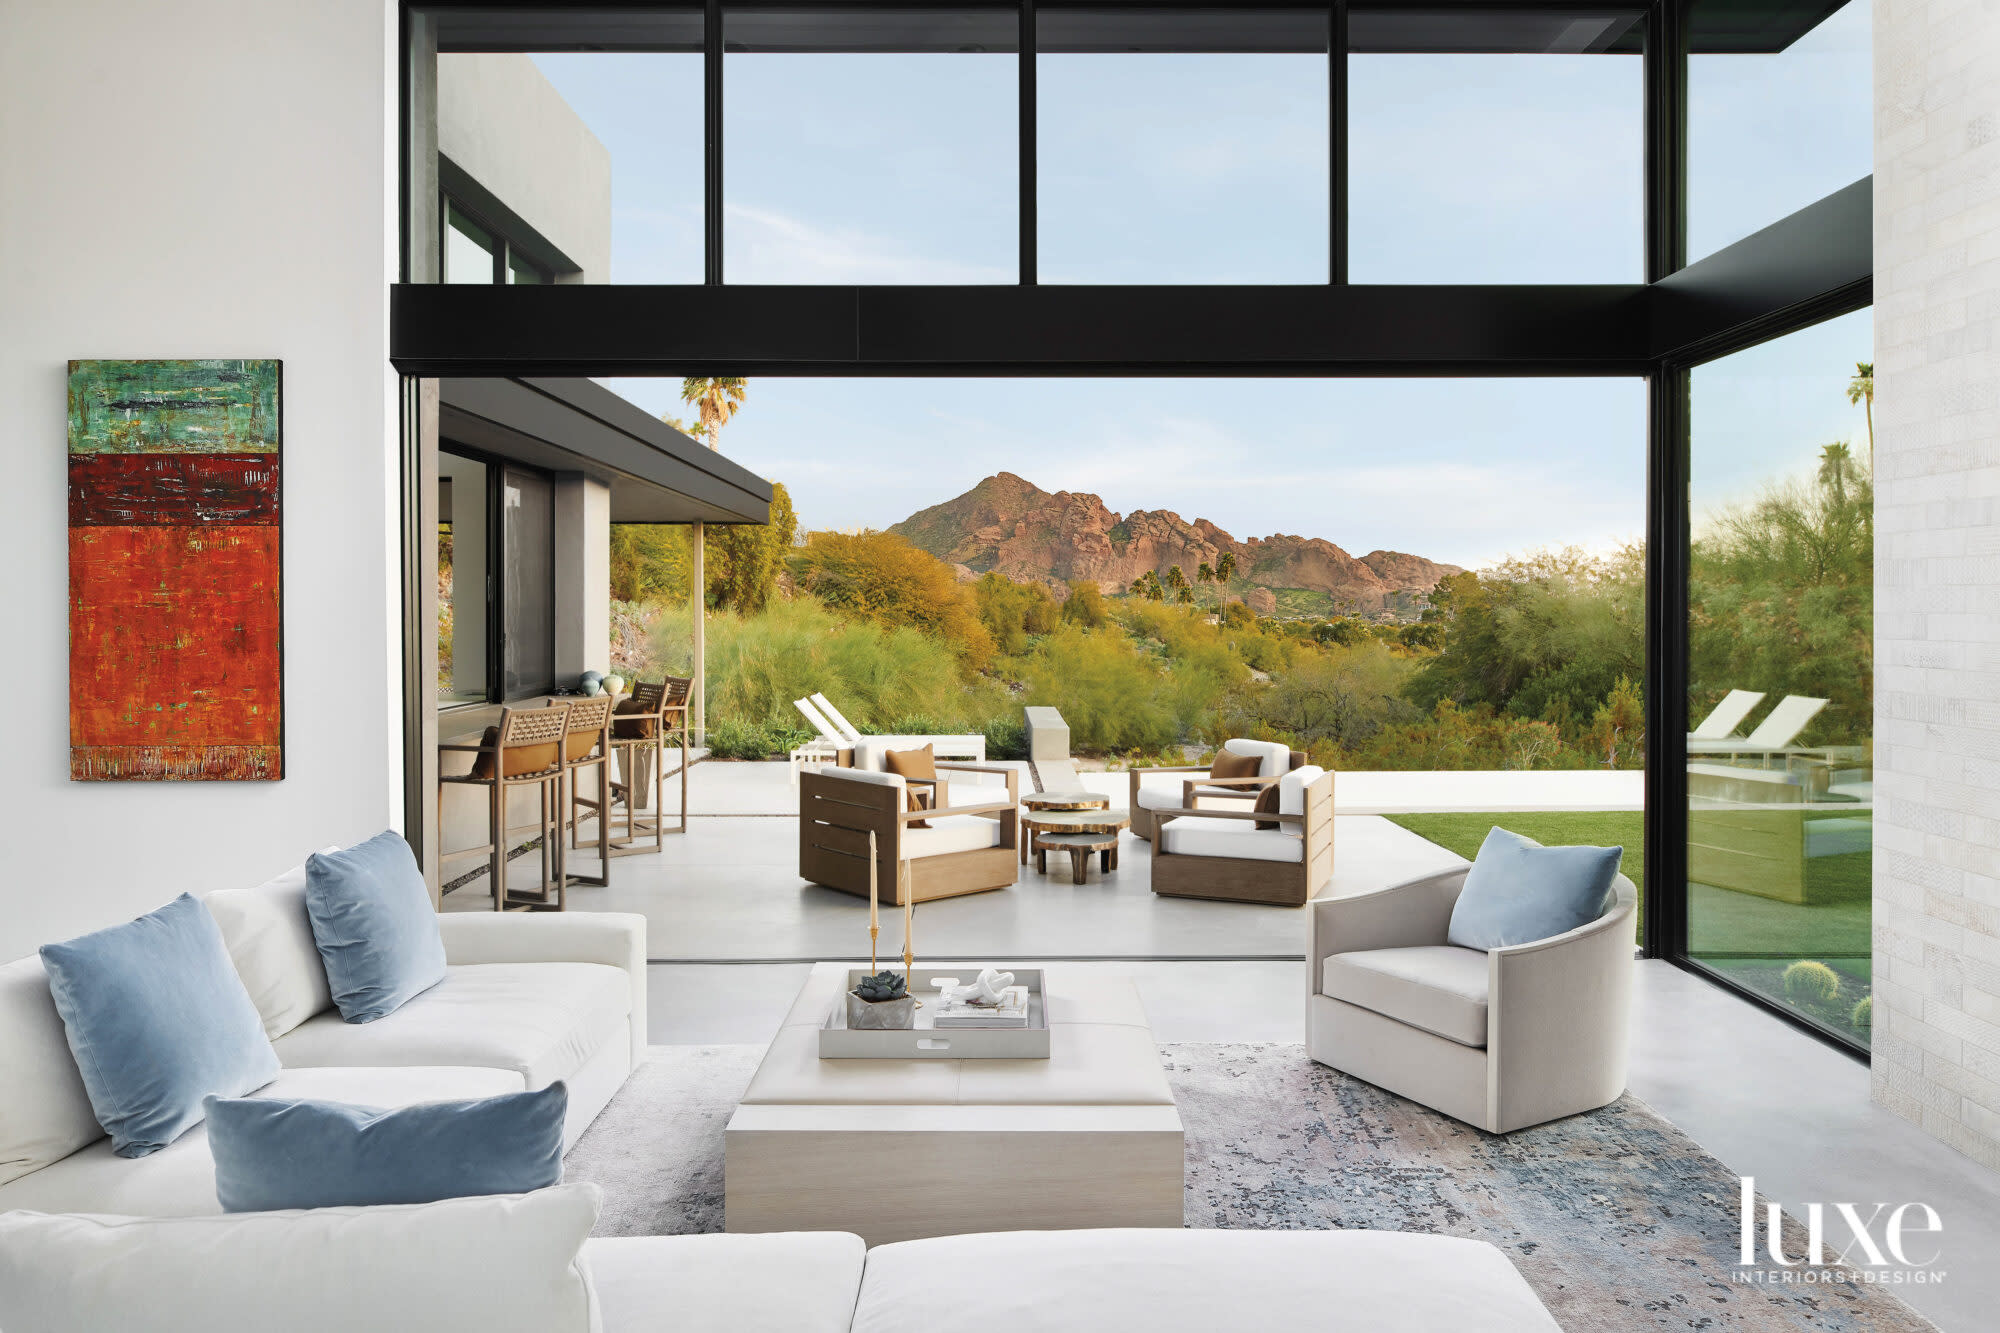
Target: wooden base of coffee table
[{"x": 1079, "y": 846}]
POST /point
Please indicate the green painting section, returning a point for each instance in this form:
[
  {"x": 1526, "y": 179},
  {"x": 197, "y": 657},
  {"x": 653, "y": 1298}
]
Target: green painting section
[{"x": 161, "y": 407}]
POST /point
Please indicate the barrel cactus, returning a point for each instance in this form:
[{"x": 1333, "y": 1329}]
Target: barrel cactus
[
  {"x": 881, "y": 987},
  {"x": 1864, "y": 1012},
  {"x": 1811, "y": 983}
]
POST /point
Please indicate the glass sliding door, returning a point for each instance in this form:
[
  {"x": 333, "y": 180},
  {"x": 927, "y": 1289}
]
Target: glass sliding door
[
  {"x": 1781, "y": 672},
  {"x": 463, "y": 583},
  {"x": 527, "y": 527}
]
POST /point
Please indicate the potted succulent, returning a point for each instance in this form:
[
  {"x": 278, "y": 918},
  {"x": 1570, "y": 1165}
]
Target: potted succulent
[{"x": 881, "y": 1001}]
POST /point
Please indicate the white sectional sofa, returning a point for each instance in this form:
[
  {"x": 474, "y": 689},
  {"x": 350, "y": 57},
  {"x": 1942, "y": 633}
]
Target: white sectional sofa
[{"x": 526, "y": 1000}]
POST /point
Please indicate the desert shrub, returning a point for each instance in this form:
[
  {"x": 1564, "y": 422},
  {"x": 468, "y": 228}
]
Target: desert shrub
[
  {"x": 880, "y": 577},
  {"x": 734, "y": 738},
  {"x": 1113, "y": 698},
  {"x": 1086, "y": 605},
  {"x": 1808, "y": 982},
  {"x": 1013, "y": 612},
  {"x": 1863, "y": 1013},
  {"x": 1006, "y": 737}
]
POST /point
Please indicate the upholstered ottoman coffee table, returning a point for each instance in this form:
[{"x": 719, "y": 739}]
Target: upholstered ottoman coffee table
[{"x": 903, "y": 1149}]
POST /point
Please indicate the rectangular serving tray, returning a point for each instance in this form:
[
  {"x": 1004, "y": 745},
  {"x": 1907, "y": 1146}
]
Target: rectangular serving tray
[{"x": 923, "y": 1042}]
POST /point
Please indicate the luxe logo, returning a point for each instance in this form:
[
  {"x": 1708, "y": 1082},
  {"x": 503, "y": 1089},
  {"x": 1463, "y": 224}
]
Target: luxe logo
[{"x": 1877, "y": 1242}]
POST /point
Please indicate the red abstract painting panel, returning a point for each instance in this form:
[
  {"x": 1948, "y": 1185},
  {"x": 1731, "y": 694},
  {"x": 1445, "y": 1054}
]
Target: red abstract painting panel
[{"x": 176, "y": 609}]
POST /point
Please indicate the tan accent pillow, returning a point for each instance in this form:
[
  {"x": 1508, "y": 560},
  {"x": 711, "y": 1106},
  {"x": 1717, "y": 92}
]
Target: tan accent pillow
[
  {"x": 1229, "y": 764},
  {"x": 914, "y": 764},
  {"x": 1267, "y": 804},
  {"x": 633, "y": 728},
  {"x": 521, "y": 759}
]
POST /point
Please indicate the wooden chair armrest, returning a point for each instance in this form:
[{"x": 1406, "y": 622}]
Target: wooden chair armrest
[
  {"x": 1229, "y": 782},
  {"x": 992, "y": 808},
  {"x": 1184, "y": 768},
  {"x": 1161, "y": 816}
]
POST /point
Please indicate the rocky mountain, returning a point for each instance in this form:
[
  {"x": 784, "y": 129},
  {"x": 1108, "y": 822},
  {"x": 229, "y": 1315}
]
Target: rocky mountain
[{"x": 1010, "y": 526}]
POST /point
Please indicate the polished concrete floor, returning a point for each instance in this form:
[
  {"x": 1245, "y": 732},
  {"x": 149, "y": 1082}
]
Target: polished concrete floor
[
  {"x": 1767, "y": 1100},
  {"x": 733, "y": 928}
]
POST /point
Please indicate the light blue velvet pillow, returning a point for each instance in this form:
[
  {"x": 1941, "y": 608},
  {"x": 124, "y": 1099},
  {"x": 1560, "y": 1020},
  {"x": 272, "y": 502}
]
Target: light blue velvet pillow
[
  {"x": 272, "y": 1154},
  {"x": 157, "y": 1020},
  {"x": 372, "y": 920},
  {"x": 1519, "y": 891}
]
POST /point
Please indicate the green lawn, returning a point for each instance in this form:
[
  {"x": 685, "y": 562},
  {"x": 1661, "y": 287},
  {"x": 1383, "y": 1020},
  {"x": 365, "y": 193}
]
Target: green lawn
[
  {"x": 1462, "y": 833},
  {"x": 1738, "y": 931}
]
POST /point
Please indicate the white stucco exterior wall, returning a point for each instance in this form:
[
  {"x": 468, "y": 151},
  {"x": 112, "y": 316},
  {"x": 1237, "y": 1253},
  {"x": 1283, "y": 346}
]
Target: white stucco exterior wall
[
  {"x": 1937, "y": 602},
  {"x": 210, "y": 178},
  {"x": 509, "y": 129}
]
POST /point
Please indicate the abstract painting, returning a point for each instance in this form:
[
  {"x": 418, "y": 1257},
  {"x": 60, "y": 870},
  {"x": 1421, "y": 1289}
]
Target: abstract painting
[{"x": 176, "y": 623}]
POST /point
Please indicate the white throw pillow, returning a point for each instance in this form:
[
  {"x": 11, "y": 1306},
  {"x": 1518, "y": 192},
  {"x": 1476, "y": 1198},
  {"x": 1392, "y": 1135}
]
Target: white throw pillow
[
  {"x": 1292, "y": 789},
  {"x": 45, "y": 1113},
  {"x": 270, "y": 940},
  {"x": 498, "y": 1262}
]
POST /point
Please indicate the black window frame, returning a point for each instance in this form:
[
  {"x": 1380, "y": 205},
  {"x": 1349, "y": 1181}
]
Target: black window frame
[{"x": 1801, "y": 270}]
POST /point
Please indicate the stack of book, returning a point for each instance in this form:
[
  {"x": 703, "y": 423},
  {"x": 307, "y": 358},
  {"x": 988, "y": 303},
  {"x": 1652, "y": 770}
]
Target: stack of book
[{"x": 1011, "y": 1012}]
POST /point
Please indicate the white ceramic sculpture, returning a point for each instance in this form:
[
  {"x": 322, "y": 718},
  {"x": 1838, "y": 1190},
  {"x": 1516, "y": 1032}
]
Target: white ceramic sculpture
[{"x": 988, "y": 990}]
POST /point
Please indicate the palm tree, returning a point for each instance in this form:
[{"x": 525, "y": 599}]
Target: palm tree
[
  {"x": 716, "y": 399},
  {"x": 1175, "y": 579},
  {"x": 1185, "y": 596},
  {"x": 1861, "y": 389},
  {"x": 1225, "y": 570},
  {"x": 1836, "y": 466},
  {"x": 1138, "y": 588},
  {"x": 1154, "y": 593},
  {"x": 1204, "y": 573}
]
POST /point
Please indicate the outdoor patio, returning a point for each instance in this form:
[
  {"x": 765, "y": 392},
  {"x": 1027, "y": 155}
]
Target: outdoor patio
[{"x": 729, "y": 890}]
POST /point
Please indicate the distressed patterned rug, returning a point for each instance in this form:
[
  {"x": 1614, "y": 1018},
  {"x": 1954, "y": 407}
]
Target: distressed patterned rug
[{"x": 1618, "y": 1220}]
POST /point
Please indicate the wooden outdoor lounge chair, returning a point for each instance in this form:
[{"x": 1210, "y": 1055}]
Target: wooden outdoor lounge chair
[
  {"x": 1223, "y": 854},
  {"x": 1186, "y": 786},
  {"x": 969, "y": 847}
]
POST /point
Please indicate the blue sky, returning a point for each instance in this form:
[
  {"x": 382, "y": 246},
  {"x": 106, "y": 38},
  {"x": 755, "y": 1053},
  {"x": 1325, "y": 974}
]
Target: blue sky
[{"x": 1175, "y": 168}]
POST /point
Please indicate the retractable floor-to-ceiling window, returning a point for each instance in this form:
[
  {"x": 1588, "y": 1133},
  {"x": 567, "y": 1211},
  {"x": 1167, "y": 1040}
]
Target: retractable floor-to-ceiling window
[{"x": 1425, "y": 190}]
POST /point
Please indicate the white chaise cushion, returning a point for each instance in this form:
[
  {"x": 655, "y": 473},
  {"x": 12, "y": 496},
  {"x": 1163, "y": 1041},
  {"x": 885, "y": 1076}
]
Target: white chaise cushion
[
  {"x": 270, "y": 940},
  {"x": 498, "y": 1261},
  {"x": 541, "y": 1020},
  {"x": 1438, "y": 987},
  {"x": 780, "y": 1282},
  {"x": 179, "y": 1179},
  {"x": 951, "y": 833},
  {"x": 1166, "y": 1281},
  {"x": 45, "y": 1113},
  {"x": 1193, "y": 835}
]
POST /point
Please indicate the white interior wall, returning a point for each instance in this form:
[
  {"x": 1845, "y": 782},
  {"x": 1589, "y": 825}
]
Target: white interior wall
[{"x": 210, "y": 178}]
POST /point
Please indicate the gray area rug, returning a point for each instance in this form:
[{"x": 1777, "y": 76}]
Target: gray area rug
[{"x": 1618, "y": 1220}]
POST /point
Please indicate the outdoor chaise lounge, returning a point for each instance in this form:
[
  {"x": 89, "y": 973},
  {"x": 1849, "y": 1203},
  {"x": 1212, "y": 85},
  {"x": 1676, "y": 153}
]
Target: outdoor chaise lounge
[
  {"x": 1773, "y": 736},
  {"x": 842, "y": 744},
  {"x": 1188, "y": 786},
  {"x": 1725, "y": 717}
]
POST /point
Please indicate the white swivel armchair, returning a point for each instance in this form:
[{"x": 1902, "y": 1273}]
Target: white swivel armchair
[{"x": 1501, "y": 1038}]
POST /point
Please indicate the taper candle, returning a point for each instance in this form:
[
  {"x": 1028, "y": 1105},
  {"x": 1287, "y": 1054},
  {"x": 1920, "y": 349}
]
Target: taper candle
[{"x": 874, "y": 904}]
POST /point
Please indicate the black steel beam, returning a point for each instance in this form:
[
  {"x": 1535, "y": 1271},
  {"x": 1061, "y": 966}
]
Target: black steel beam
[
  {"x": 1771, "y": 280},
  {"x": 711, "y": 116},
  {"x": 1030, "y": 224},
  {"x": 1665, "y": 819},
  {"x": 1056, "y": 330}
]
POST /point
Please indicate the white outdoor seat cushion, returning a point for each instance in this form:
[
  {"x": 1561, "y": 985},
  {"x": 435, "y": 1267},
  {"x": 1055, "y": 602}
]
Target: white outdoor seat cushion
[
  {"x": 544, "y": 1021},
  {"x": 951, "y": 833},
  {"x": 179, "y": 1180},
  {"x": 495, "y": 1261},
  {"x": 779, "y": 1282},
  {"x": 1437, "y": 987},
  {"x": 1166, "y": 1281},
  {"x": 1191, "y": 835},
  {"x": 270, "y": 940}
]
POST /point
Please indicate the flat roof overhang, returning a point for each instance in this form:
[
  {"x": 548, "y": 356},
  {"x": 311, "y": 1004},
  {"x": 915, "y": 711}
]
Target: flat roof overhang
[{"x": 656, "y": 474}]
